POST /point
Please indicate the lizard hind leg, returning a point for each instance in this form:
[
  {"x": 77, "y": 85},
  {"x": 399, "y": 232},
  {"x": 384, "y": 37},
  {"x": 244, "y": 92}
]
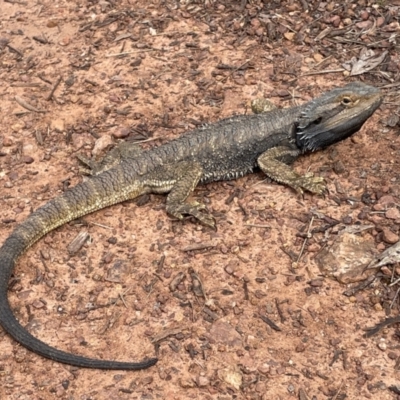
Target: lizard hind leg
[
  {"x": 113, "y": 157},
  {"x": 186, "y": 176},
  {"x": 272, "y": 166}
]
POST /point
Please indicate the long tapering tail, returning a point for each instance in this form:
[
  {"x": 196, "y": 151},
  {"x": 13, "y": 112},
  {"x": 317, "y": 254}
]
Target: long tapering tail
[{"x": 80, "y": 200}]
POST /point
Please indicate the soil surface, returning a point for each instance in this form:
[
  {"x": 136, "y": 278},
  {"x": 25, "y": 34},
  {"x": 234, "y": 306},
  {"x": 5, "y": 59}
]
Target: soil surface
[{"x": 241, "y": 313}]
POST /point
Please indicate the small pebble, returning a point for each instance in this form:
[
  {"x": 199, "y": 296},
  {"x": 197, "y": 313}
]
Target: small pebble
[
  {"x": 392, "y": 213},
  {"x": 121, "y": 133},
  {"x": 364, "y": 15},
  {"x": 388, "y": 236},
  {"x": 27, "y": 159},
  {"x": 382, "y": 346}
]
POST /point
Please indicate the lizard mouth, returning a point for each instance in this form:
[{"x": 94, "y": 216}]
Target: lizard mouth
[
  {"x": 320, "y": 126},
  {"x": 314, "y": 123}
]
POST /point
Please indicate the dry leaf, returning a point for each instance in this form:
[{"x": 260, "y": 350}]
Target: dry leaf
[{"x": 366, "y": 62}]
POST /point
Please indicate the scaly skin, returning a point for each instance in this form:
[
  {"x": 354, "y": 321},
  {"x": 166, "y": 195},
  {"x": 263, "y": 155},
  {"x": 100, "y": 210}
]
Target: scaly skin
[{"x": 224, "y": 150}]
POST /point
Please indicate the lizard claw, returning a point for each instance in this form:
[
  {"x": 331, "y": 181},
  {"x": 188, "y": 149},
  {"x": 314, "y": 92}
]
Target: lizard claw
[
  {"x": 87, "y": 165},
  {"x": 208, "y": 220},
  {"x": 316, "y": 185},
  {"x": 193, "y": 209}
]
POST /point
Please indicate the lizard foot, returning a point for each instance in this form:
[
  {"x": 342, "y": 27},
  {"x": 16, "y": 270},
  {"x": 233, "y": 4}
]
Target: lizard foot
[
  {"x": 113, "y": 157},
  {"x": 88, "y": 165},
  {"x": 312, "y": 184},
  {"x": 194, "y": 209}
]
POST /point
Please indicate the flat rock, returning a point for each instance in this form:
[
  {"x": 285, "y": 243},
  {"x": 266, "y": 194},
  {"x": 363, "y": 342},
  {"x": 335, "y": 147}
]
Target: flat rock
[
  {"x": 347, "y": 258},
  {"x": 224, "y": 333}
]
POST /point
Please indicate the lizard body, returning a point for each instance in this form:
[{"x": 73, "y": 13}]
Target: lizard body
[{"x": 224, "y": 150}]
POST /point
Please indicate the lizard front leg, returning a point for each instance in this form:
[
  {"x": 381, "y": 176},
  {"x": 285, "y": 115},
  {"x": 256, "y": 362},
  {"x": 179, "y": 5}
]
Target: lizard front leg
[
  {"x": 270, "y": 162},
  {"x": 188, "y": 174}
]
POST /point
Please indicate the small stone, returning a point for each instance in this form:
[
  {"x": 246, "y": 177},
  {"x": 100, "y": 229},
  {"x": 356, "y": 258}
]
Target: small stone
[
  {"x": 78, "y": 140},
  {"x": 364, "y": 24},
  {"x": 264, "y": 369},
  {"x": 387, "y": 200},
  {"x": 58, "y": 125},
  {"x": 292, "y": 7},
  {"x": 255, "y": 22},
  {"x": 335, "y": 20},
  {"x": 392, "y": 27},
  {"x": 289, "y": 35},
  {"x": 386, "y": 271},
  {"x": 364, "y": 15},
  {"x": 202, "y": 381},
  {"x": 380, "y": 247},
  {"x": 330, "y": 6},
  {"x": 73, "y": 98},
  {"x": 27, "y": 159},
  {"x": 261, "y": 387},
  {"x": 52, "y": 23},
  {"x": 339, "y": 167},
  {"x": 7, "y": 142},
  {"x": 281, "y": 370},
  {"x": 392, "y": 213},
  {"x": 382, "y": 346},
  {"x": 318, "y": 57},
  {"x": 186, "y": 383},
  {"x": 313, "y": 248},
  {"x": 259, "y": 31},
  {"x": 391, "y": 120},
  {"x": 65, "y": 384},
  {"x": 335, "y": 341},
  {"x": 224, "y": 333},
  {"x": 237, "y": 25},
  {"x": 17, "y": 127},
  {"x": 228, "y": 270},
  {"x": 282, "y": 93},
  {"x": 108, "y": 258},
  {"x": 13, "y": 175},
  {"x": 20, "y": 355},
  {"x": 65, "y": 41},
  {"x": 380, "y": 21},
  {"x": 122, "y": 132},
  {"x": 388, "y": 236},
  {"x": 102, "y": 144},
  {"x": 300, "y": 348},
  {"x": 38, "y": 304},
  {"x": 376, "y": 219},
  {"x": 347, "y": 220},
  {"x": 316, "y": 282}
]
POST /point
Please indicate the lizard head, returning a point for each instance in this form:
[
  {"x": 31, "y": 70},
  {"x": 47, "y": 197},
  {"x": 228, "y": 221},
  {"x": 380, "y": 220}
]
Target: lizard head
[{"x": 336, "y": 115}]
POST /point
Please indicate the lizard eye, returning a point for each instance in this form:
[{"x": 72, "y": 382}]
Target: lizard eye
[{"x": 346, "y": 101}]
